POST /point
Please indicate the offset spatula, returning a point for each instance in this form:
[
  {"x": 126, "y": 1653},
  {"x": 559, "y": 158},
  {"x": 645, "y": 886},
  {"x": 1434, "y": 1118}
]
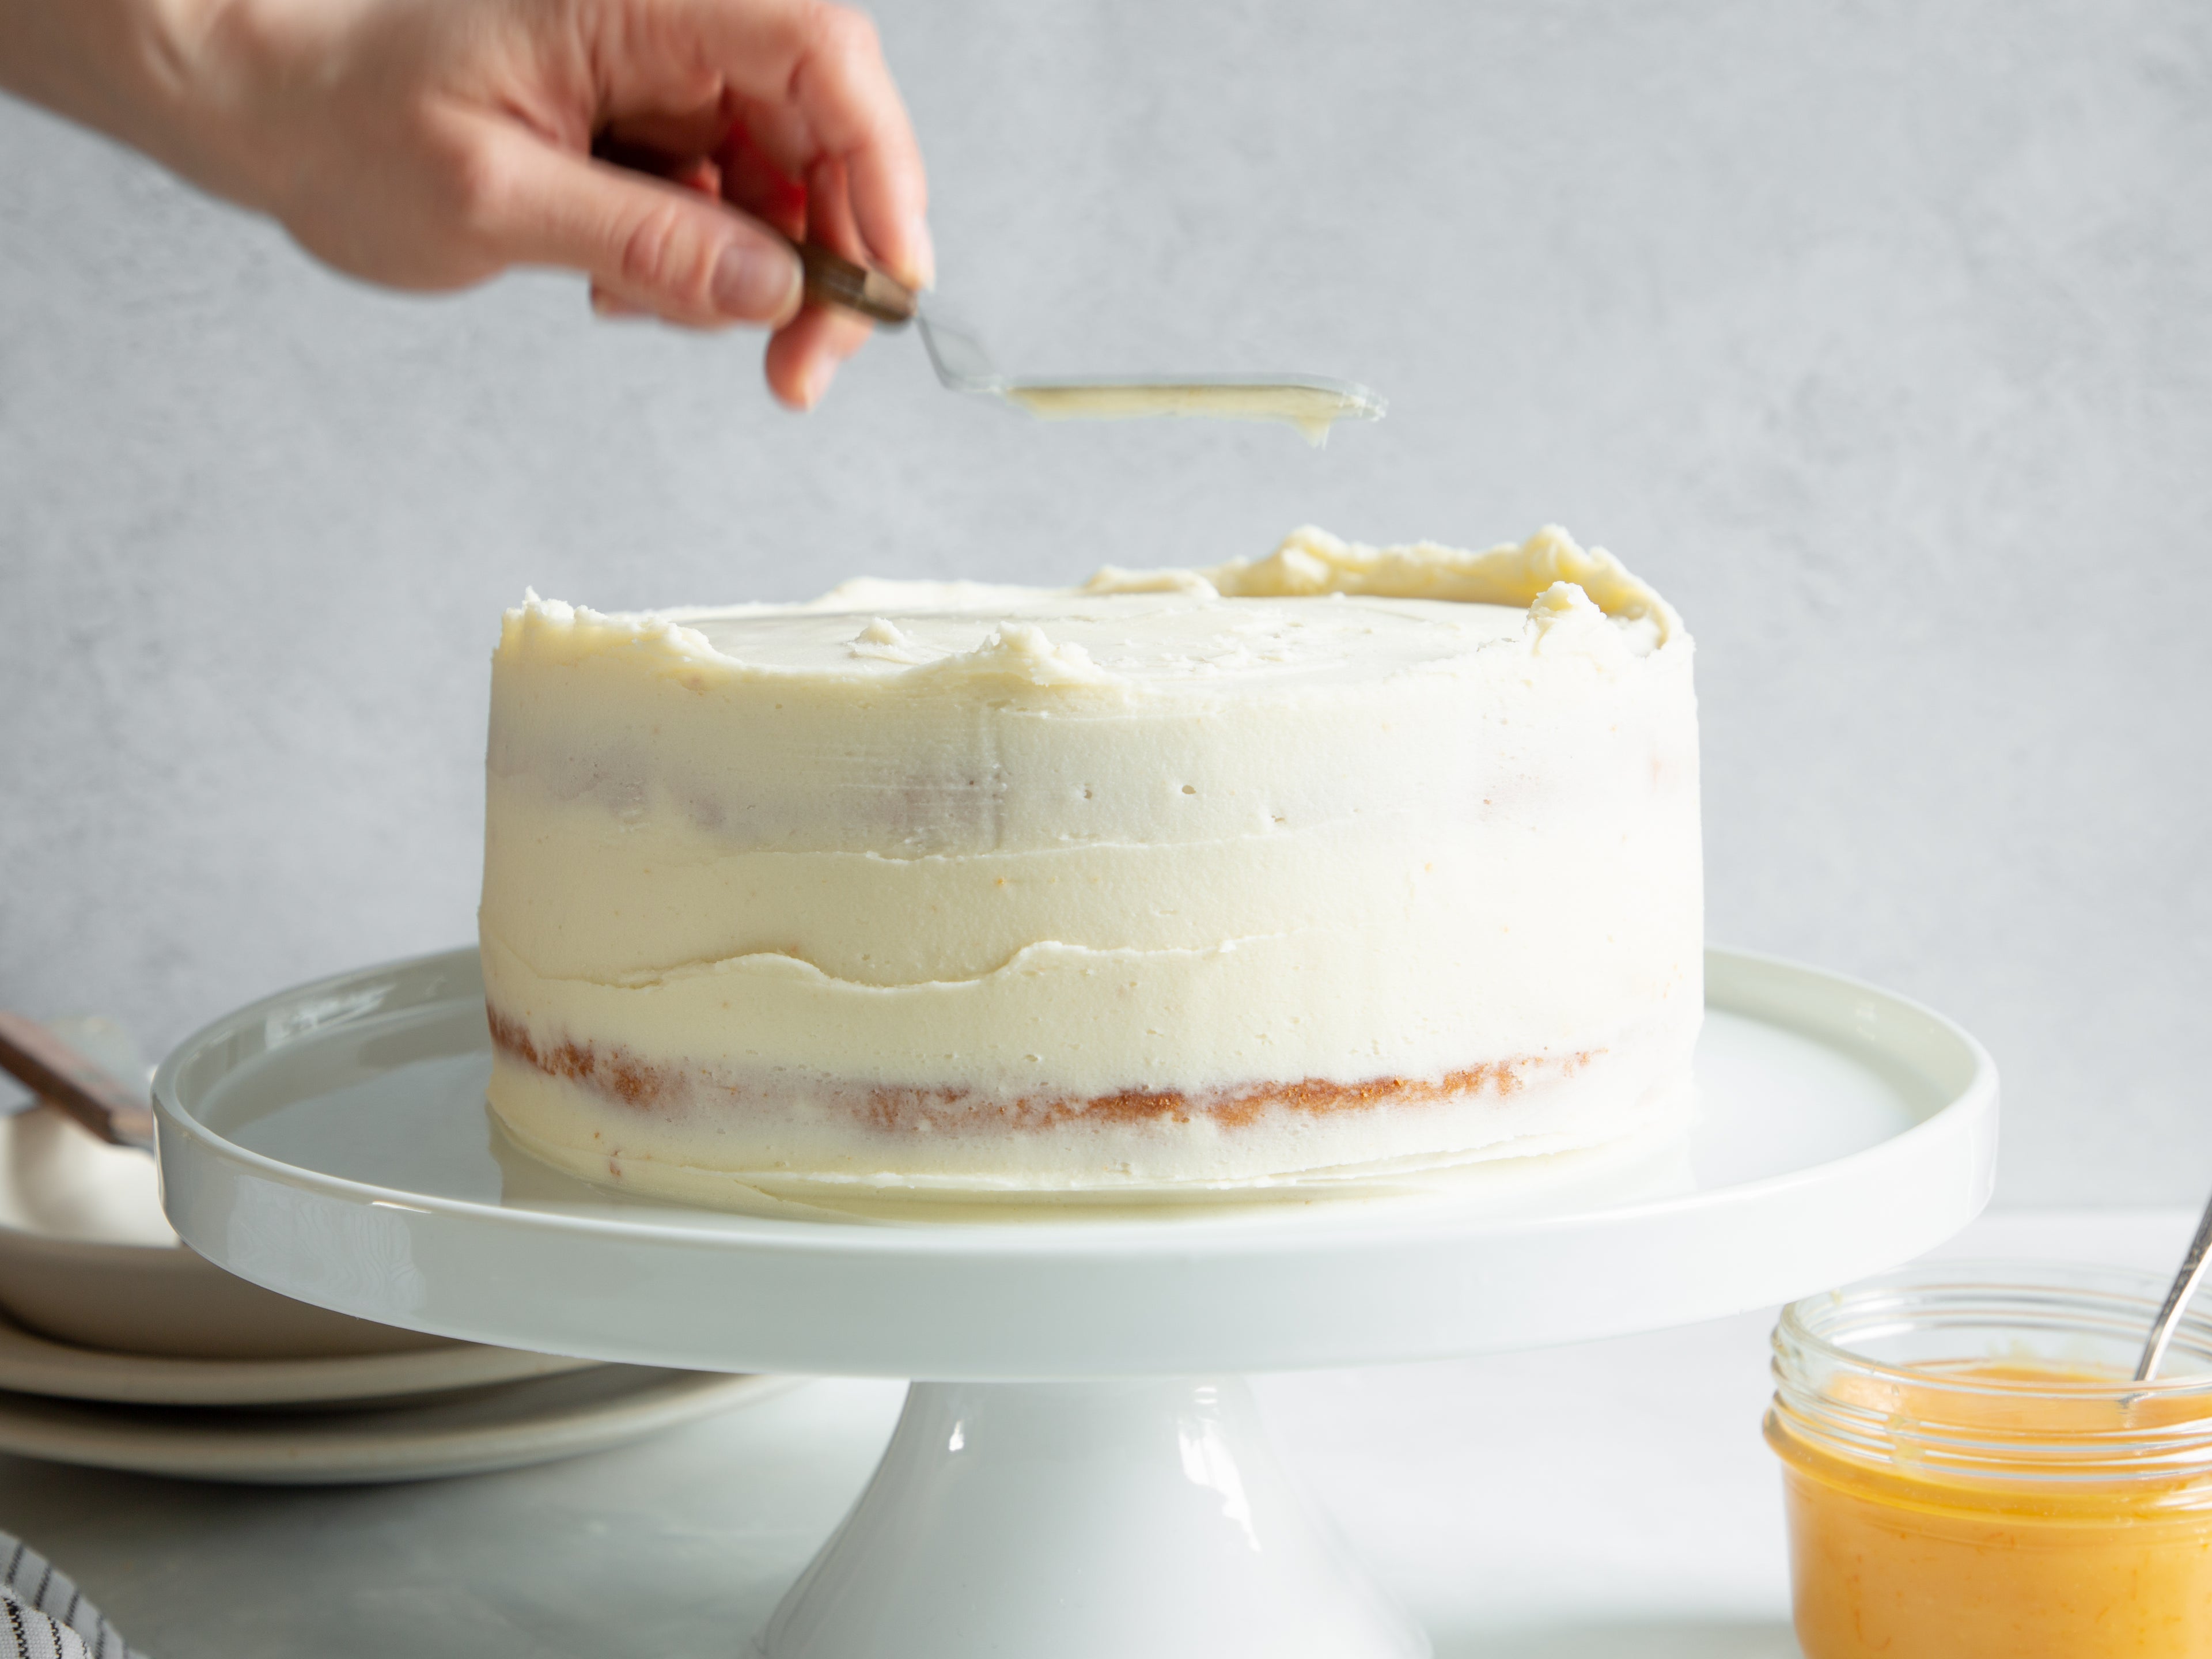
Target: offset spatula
[{"x": 1307, "y": 401}]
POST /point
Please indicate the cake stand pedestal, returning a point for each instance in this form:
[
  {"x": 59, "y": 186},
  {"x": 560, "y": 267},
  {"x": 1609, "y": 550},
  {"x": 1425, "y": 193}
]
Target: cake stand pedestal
[
  {"x": 1126, "y": 1518},
  {"x": 1077, "y": 1473}
]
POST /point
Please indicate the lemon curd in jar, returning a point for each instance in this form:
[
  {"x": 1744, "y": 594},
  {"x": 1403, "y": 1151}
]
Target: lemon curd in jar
[{"x": 1970, "y": 1473}]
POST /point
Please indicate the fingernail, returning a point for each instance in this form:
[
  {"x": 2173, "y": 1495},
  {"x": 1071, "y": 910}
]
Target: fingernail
[
  {"x": 757, "y": 284},
  {"x": 925, "y": 255}
]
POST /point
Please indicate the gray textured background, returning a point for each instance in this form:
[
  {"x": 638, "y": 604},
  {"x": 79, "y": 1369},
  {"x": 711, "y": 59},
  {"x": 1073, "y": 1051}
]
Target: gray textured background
[{"x": 1879, "y": 335}]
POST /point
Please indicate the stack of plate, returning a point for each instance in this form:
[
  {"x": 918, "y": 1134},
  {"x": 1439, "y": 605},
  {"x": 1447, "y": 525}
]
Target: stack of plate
[
  {"x": 458, "y": 1409},
  {"x": 120, "y": 1348}
]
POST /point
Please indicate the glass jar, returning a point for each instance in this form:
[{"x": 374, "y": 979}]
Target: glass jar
[{"x": 1969, "y": 1474}]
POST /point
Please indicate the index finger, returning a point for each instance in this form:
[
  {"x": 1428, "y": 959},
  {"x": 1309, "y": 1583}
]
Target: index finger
[{"x": 815, "y": 73}]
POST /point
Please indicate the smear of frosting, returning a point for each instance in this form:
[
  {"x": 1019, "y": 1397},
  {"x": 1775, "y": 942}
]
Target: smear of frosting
[
  {"x": 1022, "y": 650},
  {"x": 1311, "y": 409},
  {"x": 884, "y": 640}
]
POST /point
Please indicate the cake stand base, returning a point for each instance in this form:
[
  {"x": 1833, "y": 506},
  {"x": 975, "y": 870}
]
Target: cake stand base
[{"x": 1086, "y": 1520}]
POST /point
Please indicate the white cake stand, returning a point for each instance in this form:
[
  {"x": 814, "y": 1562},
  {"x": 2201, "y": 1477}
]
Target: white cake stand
[{"x": 1078, "y": 1474}]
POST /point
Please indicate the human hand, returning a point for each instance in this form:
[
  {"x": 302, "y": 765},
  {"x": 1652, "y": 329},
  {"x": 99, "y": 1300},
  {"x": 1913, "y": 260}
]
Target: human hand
[{"x": 664, "y": 148}]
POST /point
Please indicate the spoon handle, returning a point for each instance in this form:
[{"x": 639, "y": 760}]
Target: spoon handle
[
  {"x": 56, "y": 1073},
  {"x": 2184, "y": 1286}
]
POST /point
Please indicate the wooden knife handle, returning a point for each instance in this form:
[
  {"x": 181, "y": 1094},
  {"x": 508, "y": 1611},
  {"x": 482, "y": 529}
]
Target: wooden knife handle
[{"x": 54, "y": 1072}]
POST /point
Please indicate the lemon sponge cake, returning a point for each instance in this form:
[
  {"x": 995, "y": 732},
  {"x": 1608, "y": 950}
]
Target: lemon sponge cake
[{"x": 1343, "y": 861}]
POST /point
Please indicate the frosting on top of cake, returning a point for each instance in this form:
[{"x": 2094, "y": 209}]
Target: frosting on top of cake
[
  {"x": 1317, "y": 611},
  {"x": 1083, "y": 638}
]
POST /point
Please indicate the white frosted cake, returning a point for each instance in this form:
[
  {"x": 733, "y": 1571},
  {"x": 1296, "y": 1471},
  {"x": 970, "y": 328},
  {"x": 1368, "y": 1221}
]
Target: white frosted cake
[{"x": 1345, "y": 862}]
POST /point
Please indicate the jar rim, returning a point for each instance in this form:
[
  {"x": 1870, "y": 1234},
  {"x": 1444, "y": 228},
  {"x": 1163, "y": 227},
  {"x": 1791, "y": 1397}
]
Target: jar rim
[
  {"x": 2131, "y": 1296},
  {"x": 1831, "y": 1395}
]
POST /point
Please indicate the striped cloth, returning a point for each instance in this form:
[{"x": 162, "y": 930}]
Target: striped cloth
[{"x": 44, "y": 1616}]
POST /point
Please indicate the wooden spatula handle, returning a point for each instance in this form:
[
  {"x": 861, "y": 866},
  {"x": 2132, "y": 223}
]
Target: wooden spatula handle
[{"x": 836, "y": 280}]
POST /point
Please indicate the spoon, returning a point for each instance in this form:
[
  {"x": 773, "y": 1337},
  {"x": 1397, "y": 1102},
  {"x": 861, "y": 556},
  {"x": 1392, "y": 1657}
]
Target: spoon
[
  {"x": 2177, "y": 1299},
  {"x": 962, "y": 364}
]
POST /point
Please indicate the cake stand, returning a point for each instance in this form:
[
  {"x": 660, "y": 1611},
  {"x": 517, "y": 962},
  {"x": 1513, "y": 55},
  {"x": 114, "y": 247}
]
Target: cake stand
[{"x": 1079, "y": 1473}]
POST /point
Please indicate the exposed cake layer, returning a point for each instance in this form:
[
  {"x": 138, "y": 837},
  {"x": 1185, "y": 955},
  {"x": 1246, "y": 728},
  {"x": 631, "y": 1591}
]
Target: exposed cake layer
[
  {"x": 667, "y": 1127},
  {"x": 1343, "y": 819}
]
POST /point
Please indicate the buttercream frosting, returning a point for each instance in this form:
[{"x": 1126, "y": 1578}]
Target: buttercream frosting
[{"x": 1342, "y": 858}]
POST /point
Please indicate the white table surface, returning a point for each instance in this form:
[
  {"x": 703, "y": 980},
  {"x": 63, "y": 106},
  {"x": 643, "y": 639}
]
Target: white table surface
[{"x": 1613, "y": 1499}]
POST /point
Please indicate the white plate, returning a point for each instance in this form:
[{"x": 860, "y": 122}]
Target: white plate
[
  {"x": 87, "y": 1258},
  {"x": 504, "y": 1428},
  {"x": 31, "y": 1364}
]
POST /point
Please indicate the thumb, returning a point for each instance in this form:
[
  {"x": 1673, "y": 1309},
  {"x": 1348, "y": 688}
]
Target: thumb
[{"x": 656, "y": 246}]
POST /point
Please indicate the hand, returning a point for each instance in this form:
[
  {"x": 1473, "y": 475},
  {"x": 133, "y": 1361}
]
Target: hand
[{"x": 664, "y": 147}]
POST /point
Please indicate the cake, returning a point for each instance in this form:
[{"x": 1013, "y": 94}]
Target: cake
[{"x": 1304, "y": 870}]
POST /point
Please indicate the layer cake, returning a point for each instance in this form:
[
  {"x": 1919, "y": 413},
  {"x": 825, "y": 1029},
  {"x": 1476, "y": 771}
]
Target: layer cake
[{"x": 1339, "y": 863}]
